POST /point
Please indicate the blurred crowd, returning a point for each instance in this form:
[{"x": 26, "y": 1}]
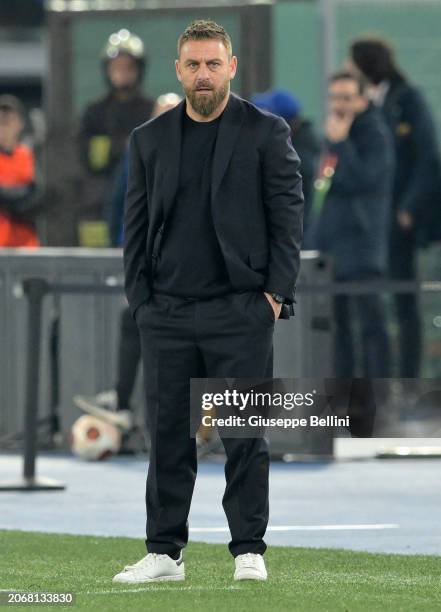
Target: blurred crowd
[{"x": 371, "y": 180}]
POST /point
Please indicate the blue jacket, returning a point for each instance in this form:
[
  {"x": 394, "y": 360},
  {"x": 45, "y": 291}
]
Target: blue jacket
[{"x": 354, "y": 222}]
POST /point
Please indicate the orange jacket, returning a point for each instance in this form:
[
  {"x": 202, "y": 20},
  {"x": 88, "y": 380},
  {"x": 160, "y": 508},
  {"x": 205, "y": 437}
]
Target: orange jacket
[{"x": 17, "y": 169}]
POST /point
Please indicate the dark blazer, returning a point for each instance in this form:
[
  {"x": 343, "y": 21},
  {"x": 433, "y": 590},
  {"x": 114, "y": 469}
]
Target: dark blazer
[
  {"x": 354, "y": 223},
  {"x": 256, "y": 199}
]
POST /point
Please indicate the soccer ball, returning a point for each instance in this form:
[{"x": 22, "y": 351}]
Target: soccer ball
[{"x": 94, "y": 440}]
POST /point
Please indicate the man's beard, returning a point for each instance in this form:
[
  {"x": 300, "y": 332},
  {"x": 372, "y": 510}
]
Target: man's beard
[{"x": 205, "y": 105}]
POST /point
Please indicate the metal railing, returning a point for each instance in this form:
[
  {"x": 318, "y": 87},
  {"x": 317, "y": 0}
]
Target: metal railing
[{"x": 35, "y": 290}]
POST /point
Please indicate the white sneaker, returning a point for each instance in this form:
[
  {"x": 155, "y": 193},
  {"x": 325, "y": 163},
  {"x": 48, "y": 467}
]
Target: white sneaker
[
  {"x": 104, "y": 406},
  {"x": 152, "y": 568},
  {"x": 250, "y": 566}
]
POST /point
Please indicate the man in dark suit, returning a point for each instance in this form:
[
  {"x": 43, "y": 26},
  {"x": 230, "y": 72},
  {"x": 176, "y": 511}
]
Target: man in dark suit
[{"x": 213, "y": 227}]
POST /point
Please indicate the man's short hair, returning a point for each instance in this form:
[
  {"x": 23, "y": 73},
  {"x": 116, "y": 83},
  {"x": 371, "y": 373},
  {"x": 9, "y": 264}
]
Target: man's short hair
[
  {"x": 347, "y": 75},
  {"x": 203, "y": 29}
]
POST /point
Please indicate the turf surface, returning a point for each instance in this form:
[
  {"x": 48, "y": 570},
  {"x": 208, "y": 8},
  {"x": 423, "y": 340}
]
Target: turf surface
[{"x": 300, "y": 579}]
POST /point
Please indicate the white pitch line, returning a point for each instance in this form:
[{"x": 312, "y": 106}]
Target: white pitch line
[
  {"x": 362, "y": 527},
  {"x": 156, "y": 588}
]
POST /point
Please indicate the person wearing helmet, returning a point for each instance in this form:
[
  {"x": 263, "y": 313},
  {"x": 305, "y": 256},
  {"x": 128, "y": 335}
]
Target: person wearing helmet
[{"x": 107, "y": 122}]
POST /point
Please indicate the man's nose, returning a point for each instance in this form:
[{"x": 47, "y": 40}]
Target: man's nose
[{"x": 203, "y": 72}]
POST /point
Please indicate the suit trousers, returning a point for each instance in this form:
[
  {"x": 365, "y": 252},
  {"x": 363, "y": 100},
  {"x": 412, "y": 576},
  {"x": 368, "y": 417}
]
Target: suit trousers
[{"x": 184, "y": 338}]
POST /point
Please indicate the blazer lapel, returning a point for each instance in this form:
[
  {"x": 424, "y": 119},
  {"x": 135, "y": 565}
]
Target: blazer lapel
[
  {"x": 171, "y": 158},
  {"x": 229, "y": 128}
]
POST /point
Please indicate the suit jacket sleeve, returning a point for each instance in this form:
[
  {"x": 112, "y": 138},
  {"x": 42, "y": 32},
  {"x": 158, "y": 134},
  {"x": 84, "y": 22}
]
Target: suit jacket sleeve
[
  {"x": 135, "y": 230},
  {"x": 283, "y": 200}
]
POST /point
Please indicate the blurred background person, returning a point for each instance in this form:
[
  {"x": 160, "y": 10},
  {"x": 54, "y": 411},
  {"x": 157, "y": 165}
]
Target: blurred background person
[
  {"x": 107, "y": 123},
  {"x": 353, "y": 224},
  {"x": 114, "y": 405},
  {"x": 416, "y": 216},
  {"x": 18, "y": 194},
  {"x": 163, "y": 103},
  {"x": 304, "y": 138}
]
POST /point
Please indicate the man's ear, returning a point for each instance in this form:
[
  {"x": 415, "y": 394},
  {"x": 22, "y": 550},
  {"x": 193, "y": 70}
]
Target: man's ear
[
  {"x": 233, "y": 67},
  {"x": 178, "y": 70}
]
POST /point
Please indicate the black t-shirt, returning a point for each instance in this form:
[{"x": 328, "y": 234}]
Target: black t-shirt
[{"x": 191, "y": 263}]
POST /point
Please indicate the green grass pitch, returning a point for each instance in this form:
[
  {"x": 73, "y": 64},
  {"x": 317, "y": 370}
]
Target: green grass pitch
[{"x": 300, "y": 579}]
